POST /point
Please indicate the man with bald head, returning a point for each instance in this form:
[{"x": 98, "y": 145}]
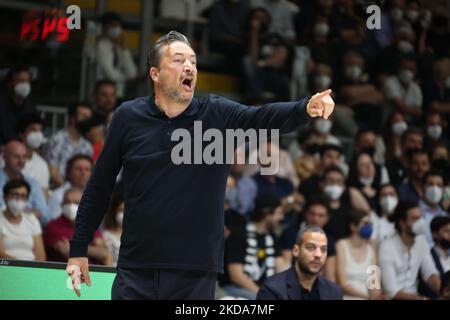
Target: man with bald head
[
  {"x": 15, "y": 157},
  {"x": 303, "y": 281}
]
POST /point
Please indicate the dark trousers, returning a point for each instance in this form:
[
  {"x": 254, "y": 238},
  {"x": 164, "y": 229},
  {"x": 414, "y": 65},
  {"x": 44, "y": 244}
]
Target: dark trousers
[{"x": 163, "y": 284}]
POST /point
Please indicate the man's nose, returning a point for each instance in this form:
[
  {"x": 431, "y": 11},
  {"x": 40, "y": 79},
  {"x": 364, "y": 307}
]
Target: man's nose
[{"x": 188, "y": 66}]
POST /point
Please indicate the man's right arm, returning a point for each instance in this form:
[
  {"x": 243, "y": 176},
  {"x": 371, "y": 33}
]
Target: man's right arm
[{"x": 96, "y": 196}]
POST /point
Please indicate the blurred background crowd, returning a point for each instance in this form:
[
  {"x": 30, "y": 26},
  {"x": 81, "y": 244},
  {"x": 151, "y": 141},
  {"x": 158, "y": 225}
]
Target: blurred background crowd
[{"x": 375, "y": 175}]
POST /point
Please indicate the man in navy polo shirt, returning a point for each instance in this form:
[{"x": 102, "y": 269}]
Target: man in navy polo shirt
[{"x": 173, "y": 225}]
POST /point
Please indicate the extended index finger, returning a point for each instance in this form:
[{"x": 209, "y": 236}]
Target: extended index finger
[{"x": 322, "y": 94}]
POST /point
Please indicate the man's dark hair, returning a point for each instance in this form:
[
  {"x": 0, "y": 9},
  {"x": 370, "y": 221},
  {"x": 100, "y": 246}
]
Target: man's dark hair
[
  {"x": 401, "y": 213},
  {"x": 16, "y": 70},
  {"x": 109, "y": 17},
  {"x": 409, "y": 131},
  {"x": 332, "y": 169},
  {"x": 264, "y": 204},
  {"x": 433, "y": 173},
  {"x": 329, "y": 146},
  {"x": 439, "y": 222},
  {"x": 15, "y": 184},
  {"x": 74, "y": 159},
  {"x": 317, "y": 200},
  {"x": 103, "y": 82},
  {"x": 28, "y": 119},
  {"x": 414, "y": 152},
  {"x": 302, "y": 231},
  {"x": 353, "y": 217},
  {"x": 86, "y": 125},
  {"x": 154, "y": 54},
  {"x": 72, "y": 110}
]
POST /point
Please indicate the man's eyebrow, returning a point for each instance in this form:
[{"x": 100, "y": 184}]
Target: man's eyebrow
[{"x": 182, "y": 54}]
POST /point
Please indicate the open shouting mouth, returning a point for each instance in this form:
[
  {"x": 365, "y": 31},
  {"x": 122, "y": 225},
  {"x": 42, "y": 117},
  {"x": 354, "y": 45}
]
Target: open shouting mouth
[{"x": 187, "y": 83}]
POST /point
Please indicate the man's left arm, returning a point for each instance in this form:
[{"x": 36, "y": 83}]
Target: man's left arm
[{"x": 286, "y": 116}]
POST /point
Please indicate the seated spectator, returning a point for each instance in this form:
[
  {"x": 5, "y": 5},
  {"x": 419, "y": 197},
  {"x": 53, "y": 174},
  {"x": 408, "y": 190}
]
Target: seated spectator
[
  {"x": 411, "y": 139},
  {"x": 356, "y": 92},
  {"x": 418, "y": 165},
  {"x": 253, "y": 256},
  {"x": 307, "y": 149},
  {"x": 436, "y": 129},
  {"x": 440, "y": 229},
  {"x": 430, "y": 203},
  {"x": 93, "y": 130},
  {"x": 406, "y": 254},
  {"x": 282, "y": 12},
  {"x": 323, "y": 129},
  {"x": 355, "y": 254},
  {"x": 30, "y": 128},
  {"x": 115, "y": 61},
  {"x": 395, "y": 126},
  {"x": 438, "y": 35},
  {"x": 79, "y": 170},
  {"x": 366, "y": 140},
  {"x": 303, "y": 280},
  {"x": 227, "y": 19},
  {"x": 388, "y": 200},
  {"x": 366, "y": 176},
  {"x": 330, "y": 155},
  {"x": 342, "y": 199},
  {"x": 59, "y": 231},
  {"x": 112, "y": 224},
  {"x": 266, "y": 65},
  {"x": 15, "y": 154},
  {"x": 285, "y": 165},
  {"x": 20, "y": 232},
  {"x": 439, "y": 154},
  {"x": 67, "y": 142},
  {"x": 242, "y": 200},
  {"x": 403, "y": 92},
  {"x": 316, "y": 213},
  {"x": 15, "y": 102},
  {"x": 437, "y": 90},
  {"x": 104, "y": 98},
  {"x": 234, "y": 221}
]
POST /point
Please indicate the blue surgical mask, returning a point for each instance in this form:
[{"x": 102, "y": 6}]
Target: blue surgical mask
[{"x": 366, "y": 231}]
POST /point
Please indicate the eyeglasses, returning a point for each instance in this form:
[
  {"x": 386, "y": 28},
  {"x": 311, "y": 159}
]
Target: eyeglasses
[{"x": 18, "y": 195}]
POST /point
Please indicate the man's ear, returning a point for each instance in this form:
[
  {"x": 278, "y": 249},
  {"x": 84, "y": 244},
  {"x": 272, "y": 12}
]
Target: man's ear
[
  {"x": 154, "y": 74},
  {"x": 295, "y": 250}
]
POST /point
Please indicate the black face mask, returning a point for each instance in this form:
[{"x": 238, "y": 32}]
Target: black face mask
[
  {"x": 440, "y": 164},
  {"x": 444, "y": 243}
]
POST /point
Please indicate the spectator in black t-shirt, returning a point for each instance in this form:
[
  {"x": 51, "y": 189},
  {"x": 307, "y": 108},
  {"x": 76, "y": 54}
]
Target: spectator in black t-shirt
[
  {"x": 266, "y": 66},
  {"x": 253, "y": 256},
  {"x": 15, "y": 103}
]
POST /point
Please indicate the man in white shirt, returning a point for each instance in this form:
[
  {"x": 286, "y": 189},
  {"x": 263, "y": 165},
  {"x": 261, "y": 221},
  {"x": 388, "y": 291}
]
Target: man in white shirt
[
  {"x": 113, "y": 57},
  {"x": 30, "y": 129},
  {"x": 405, "y": 254},
  {"x": 440, "y": 229},
  {"x": 403, "y": 91}
]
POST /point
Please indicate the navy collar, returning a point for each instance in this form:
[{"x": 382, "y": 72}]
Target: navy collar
[
  {"x": 191, "y": 110},
  {"x": 295, "y": 289}
]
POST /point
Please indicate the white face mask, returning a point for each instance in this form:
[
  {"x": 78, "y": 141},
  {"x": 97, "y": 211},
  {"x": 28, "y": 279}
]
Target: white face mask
[
  {"x": 405, "y": 47},
  {"x": 353, "y": 72},
  {"x": 16, "y": 206},
  {"x": 406, "y": 76},
  {"x": 388, "y": 204},
  {"x": 434, "y": 194},
  {"x": 334, "y": 191},
  {"x": 70, "y": 211},
  {"x": 399, "y": 127},
  {"x": 434, "y": 131},
  {"x": 119, "y": 217},
  {"x": 397, "y": 14},
  {"x": 35, "y": 139},
  {"x": 366, "y": 181},
  {"x": 412, "y": 15},
  {"x": 22, "y": 89},
  {"x": 322, "y": 82},
  {"x": 323, "y": 125},
  {"x": 114, "y": 32},
  {"x": 321, "y": 29},
  {"x": 419, "y": 227}
]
